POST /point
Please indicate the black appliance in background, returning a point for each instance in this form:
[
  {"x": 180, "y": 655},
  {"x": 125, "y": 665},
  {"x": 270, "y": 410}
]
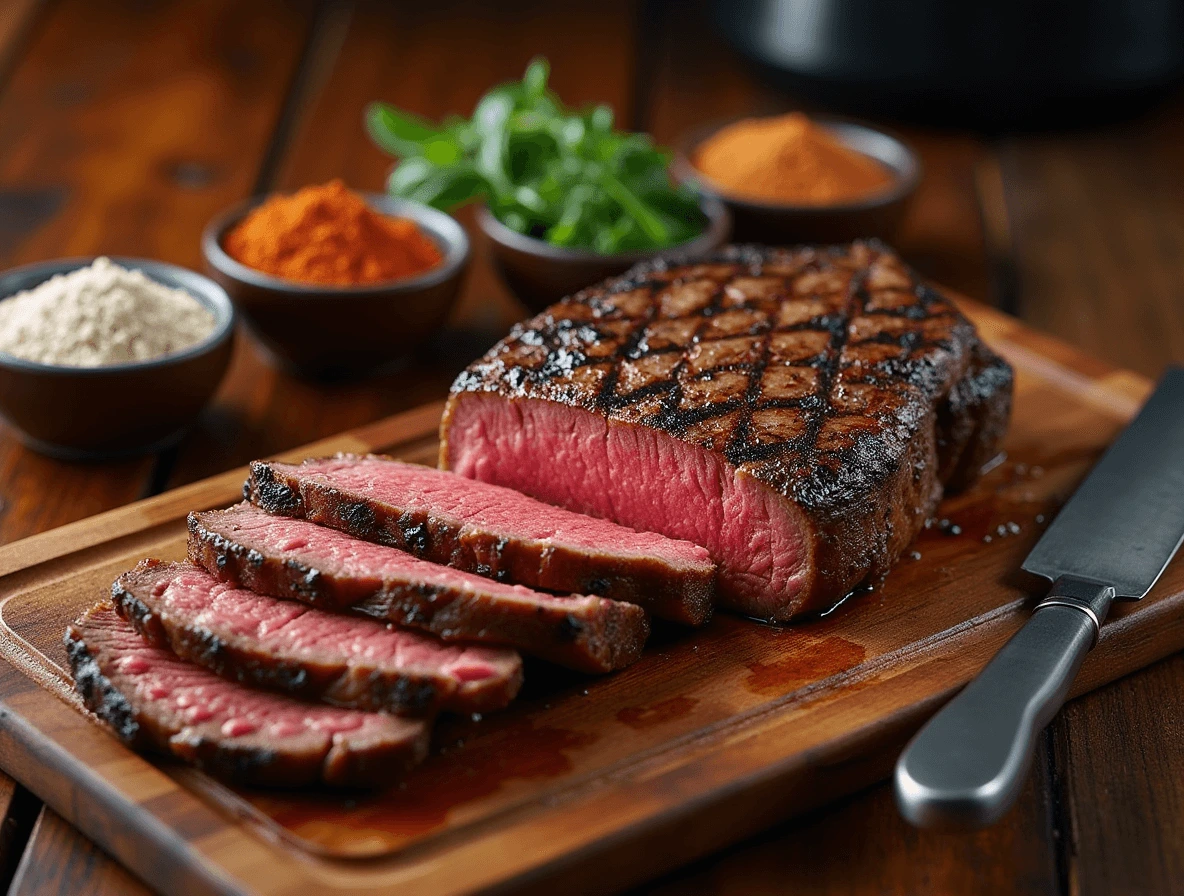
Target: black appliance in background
[{"x": 985, "y": 63}]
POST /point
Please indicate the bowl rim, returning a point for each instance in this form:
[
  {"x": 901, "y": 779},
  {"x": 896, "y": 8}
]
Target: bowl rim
[
  {"x": 444, "y": 229},
  {"x": 904, "y": 185},
  {"x": 203, "y": 289},
  {"x": 719, "y": 222}
]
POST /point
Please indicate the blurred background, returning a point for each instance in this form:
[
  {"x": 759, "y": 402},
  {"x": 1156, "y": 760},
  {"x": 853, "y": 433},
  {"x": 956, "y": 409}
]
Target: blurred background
[{"x": 1051, "y": 139}]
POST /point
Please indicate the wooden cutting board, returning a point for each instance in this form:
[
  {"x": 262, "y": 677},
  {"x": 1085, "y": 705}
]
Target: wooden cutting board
[{"x": 584, "y": 783}]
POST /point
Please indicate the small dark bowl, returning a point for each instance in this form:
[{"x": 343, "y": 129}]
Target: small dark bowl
[
  {"x": 332, "y": 331},
  {"x": 89, "y": 413},
  {"x": 876, "y": 216},
  {"x": 541, "y": 274}
]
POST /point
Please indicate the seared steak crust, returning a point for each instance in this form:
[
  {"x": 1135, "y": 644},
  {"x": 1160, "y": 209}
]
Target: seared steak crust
[
  {"x": 831, "y": 375},
  {"x": 591, "y": 634}
]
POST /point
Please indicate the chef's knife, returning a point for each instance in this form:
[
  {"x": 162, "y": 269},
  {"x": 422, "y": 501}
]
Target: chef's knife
[{"x": 1111, "y": 540}]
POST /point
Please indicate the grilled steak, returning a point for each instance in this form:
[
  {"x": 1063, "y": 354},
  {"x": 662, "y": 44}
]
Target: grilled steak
[
  {"x": 795, "y": 411},
  {"x": 283, "y": 646},
  {"x": 154, "y": 700},
  {"x": 299, "y": 560},
  {"x": 492, "y": 531}
]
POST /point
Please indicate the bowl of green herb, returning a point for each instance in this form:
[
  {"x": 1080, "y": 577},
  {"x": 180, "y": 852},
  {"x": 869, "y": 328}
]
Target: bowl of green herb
[{"x": 568, "y": 200}]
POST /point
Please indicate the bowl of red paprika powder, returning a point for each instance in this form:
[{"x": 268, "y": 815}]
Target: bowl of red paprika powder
[{"x": 337, "y": 283}]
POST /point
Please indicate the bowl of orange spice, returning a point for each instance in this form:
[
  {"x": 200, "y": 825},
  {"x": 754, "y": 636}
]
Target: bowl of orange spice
[
  {"x": 792, "y": 178},
  {"x": 334, "y": 282}
]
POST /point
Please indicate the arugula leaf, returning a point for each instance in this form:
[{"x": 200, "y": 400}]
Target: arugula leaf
[
  {"x": 399, "y": 133},
  {"x": 447, "y": 187},
  {"x": 560, "y": 175},
  {"x": 636, "y": 208},
  {"x": 534, "y": 82}
]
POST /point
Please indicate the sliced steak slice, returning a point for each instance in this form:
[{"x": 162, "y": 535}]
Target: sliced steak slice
[
  {"x": 282, "y": 646},
  {"x": 489, "y": 530},
  {"x": 299, "y": 560},
  {"x": 154, "y": 700},
  {"x": 798, "y": 412}
]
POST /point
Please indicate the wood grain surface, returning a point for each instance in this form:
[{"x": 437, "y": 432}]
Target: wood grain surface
[
  {"x": 18, "y": 815},
  {"x": 60, "y": 860},
  {"x": 787, "y": 858},
  {"x": 1089, "y": 249}
]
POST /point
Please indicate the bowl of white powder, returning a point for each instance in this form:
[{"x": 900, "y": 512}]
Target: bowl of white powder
[{"x": 104, "y": 357}]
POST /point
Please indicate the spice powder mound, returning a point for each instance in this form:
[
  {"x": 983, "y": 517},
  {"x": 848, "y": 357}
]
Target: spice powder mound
[
  {"x": 99, "y": 315},
  {"x": 329, "y": 235},
  {"x": 788, "y": 159}
]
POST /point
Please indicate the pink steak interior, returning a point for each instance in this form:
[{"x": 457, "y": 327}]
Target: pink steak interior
[
  {"x": 638, "y": 477},
  {"x": 494, "y": 509}
]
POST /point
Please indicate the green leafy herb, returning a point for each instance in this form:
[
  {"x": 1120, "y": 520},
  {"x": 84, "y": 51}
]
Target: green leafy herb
[{"x": 546, "y": 171}]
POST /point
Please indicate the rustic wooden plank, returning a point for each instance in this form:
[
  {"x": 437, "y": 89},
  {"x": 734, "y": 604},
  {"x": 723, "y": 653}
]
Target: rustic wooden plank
[
  {"x": 18, "y": 813},
  {"x": 146, "y": 119},
  {"x": 1097, "y": 222},
  {"x": 942, "y": 233},
  {"x": 8, "y": 790},
  {"x": 696, "y": 78},
  {"x": 30, "y": 504},
  {"x": 60, "y": 860},
  {"x": 825, "y": 853},
  {"x": 394, "y": 53},
  {"x": 16, "y": 19},
  {"x": 1118, "y": 752}
]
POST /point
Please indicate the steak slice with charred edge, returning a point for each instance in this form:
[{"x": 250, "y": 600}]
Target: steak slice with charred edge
[
  {"x": 299, "y": 560},
  {"x": 798, "y": 412},
  {"x": 283, "y": 646},
  {"x": 152, "y": 699},
  {"x": 492, "y": 531}
]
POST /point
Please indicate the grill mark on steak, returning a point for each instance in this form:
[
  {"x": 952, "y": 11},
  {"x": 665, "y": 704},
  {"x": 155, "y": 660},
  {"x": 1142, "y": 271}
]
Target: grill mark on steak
[
  {"x": 345, "y": 661},
  {"x": 299, "y": 560},
  {"x": 823, "y": 407},
  {"x": 495, "y": 532},
  {"x": 830, "y": 375},
  {"x": 152, "y": 700},
  {"x": 677, "y": 393}
]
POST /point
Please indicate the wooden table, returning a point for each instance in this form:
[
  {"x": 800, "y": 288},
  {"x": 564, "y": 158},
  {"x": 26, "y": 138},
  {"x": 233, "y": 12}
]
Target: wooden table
[{"x": 125, "y": 126}]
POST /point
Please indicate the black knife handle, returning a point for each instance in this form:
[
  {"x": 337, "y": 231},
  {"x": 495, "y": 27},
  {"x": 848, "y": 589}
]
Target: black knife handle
[{"x": 966, "y": 767}]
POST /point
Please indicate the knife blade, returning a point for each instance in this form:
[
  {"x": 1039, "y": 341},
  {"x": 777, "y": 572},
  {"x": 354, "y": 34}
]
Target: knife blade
[{"x": 1113, "y": 539}]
